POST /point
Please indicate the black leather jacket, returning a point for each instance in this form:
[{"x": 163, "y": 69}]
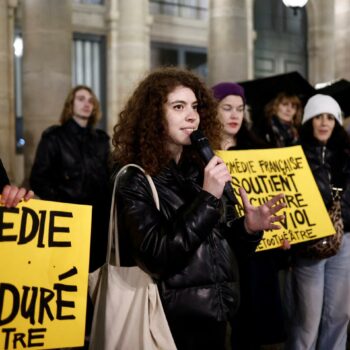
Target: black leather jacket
[
  {"x": 71, "y": 164},
  {"x": 330, "y": 167},
  {"x": 187, "y": 246}
]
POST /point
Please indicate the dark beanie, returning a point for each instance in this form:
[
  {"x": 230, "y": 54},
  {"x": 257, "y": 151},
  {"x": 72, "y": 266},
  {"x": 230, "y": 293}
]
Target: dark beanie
[{"x": 222, "y": 90}]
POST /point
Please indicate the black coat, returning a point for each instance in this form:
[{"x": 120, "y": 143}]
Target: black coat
[
  {"x": 330, "y": 167},
  {"x": 4, "y": 180},
  {"x": 71, "y": 165},
  {"x": 260, "y": 318},
  {"x": 187, "y": 246}
]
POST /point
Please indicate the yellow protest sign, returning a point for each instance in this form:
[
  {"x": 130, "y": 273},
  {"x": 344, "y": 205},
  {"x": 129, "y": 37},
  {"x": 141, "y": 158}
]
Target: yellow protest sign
[
  {"x": 266, "y": 172},
  {"x": 44, "y": 257}
]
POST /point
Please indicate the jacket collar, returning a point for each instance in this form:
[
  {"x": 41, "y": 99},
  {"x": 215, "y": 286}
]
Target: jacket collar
[{"x": 75, "y": 128}]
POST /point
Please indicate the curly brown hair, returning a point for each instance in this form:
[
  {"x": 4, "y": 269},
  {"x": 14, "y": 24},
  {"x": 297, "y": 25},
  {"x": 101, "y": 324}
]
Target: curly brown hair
[
  {"x": 141, "y": 132},
  {"x": 67, "y": 111},
  {"x": 272, "y": 106}
]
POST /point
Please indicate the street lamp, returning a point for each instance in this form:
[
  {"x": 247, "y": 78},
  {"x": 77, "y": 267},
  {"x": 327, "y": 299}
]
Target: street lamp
[
  {"x": 18, "y": 46},
  {"x": 295, "y": 4}
]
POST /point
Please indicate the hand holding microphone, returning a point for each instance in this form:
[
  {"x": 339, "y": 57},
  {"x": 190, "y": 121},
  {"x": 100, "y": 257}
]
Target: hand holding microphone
[
  {"x": 215, "y": 177},
  {"x": 215, "y": 171},
  {"x": 263, "y": 217}
]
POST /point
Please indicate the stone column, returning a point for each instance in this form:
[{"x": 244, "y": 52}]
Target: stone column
[
  {"x": 230, "y": 36},
  {"x": 7, "y": 112},
  {"x": 47, "y": 41},
  {"x": 112, "y": 64},
  {"x": 133, "y": 45},
  {"x": 342, "y": 42},
  {"x": 321, "y": 40}
]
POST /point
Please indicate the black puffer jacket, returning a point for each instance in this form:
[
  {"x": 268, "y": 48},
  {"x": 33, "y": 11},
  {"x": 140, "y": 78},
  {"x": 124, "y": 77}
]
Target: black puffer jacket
[
  {"x": 71, "y": 164},
  {"x": 330, "y": 167},
  {"x": 187, "y": 246}
]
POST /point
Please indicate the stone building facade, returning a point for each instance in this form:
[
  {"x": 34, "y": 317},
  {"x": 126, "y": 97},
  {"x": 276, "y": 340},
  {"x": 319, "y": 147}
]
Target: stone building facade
[{"x": 130, "y": 30}]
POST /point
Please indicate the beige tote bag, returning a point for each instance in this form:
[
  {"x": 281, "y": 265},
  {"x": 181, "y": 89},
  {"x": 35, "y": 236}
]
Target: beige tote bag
[{"x": 128, "y": 313}]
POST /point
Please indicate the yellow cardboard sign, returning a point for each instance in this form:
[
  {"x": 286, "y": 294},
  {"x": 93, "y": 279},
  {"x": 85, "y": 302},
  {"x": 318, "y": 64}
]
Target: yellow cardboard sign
[
  {"x": 44, "y": 257},
  {"x": 266, "y": 172}
]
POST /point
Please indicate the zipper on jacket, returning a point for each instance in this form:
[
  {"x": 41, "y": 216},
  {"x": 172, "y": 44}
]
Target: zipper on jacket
[
  {"x": 217, "y": 284},
  {"x": 335, "y": 191},
  {"x": 323, "y": 155},
  {"x": 323, "y": 161}
]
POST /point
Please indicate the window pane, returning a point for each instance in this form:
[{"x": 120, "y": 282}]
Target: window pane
[
  {"x": 164, "y": 57},
  {"x": 88, "y": 67},
  {"x": 170, "y": 8},
  {"x": 183, "y": 8},
  {"x": 197, "y": 62},
  {"x": 96, "y": 65},
  {"x": 192, "y": 58},
  {"x": 189, "y": 8},
  {"x": 95, "y": 2}
]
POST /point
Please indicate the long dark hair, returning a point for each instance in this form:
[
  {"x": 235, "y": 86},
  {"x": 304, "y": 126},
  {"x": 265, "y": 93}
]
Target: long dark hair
[{"x": 339, "y": 139}]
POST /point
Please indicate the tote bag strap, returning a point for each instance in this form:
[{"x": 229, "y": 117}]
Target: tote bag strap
[{"x": 113, "y": 215}]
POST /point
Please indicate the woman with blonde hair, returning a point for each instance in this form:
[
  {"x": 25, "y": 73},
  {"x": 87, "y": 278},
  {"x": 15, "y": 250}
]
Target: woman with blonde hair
[{"x": 281, "y": 121}]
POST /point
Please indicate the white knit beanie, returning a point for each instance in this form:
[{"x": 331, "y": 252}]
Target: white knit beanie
[{"x": 320, "y": 104}]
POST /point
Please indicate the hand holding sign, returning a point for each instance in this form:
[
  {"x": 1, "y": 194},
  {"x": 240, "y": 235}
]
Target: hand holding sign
[
  {"x": 12, "y": 195},
  {"x": 265, "y": 173},
  {"x": 45, "y": 248},
  {"x": 262, "y": 217}
]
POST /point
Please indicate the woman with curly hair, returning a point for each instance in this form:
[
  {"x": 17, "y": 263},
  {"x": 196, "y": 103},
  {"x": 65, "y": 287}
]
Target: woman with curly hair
[{"x": 187, "y": 245}]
